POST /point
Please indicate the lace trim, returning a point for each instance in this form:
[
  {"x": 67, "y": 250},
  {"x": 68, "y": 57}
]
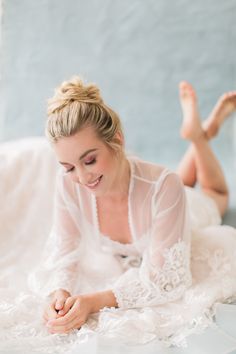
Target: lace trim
[
  {"x": 218, "y": 262},
  {"x": 149, "y": 287}
]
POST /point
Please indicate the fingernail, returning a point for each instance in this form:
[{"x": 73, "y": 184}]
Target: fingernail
[{"x": 49, "y": 324}]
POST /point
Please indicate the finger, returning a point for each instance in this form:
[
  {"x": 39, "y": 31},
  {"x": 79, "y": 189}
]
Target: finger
[
  {"x": 50, "y": 316},
  {"x": 75, "y": 324},
  {"x": 67, "y": 306},
  {"x": 50, "y": 312},
  {"x": 59, "y": 304},
  {"x": 59, "y": 301},
  {"x": 69, "y": 317}
]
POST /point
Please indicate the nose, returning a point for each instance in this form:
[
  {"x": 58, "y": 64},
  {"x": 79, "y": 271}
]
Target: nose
[{"x": 81, "y": 176}]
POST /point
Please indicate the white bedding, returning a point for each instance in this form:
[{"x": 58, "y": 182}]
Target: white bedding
[{"x": 27, "y": 174}]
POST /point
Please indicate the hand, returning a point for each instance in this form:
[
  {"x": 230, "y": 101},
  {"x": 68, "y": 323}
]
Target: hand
[
  {"x": 55, "y": 305},
  {"x": 74, "y": 314}
]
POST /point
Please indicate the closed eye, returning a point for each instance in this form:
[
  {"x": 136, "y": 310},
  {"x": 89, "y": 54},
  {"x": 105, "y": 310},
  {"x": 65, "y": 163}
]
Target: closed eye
[
  {"x": 70, "y": 170},
  {"x": 91, "y": 162}
]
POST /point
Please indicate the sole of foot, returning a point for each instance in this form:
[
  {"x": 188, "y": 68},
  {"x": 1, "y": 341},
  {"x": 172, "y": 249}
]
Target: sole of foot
[{"x": 191, "y": 127}]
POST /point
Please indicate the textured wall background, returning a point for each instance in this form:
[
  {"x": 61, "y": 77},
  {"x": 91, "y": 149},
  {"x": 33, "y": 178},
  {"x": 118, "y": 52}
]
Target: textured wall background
[{"x": 136, "y": 51}]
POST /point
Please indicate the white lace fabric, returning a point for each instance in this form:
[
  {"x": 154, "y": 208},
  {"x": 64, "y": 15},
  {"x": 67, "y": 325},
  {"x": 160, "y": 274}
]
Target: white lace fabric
[
  {"x": 157, "y": 287},
  {"x": 164, "y": 271},
  {"x": 155, "y": 270},
  {"x": 180, "y": 263}
]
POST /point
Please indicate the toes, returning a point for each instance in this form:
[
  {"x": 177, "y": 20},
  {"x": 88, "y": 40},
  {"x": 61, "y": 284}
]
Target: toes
[
  {"x": 186, "y": 90},
  {"x": 223, "y": 97},
  {"x": 184, "y": 85},
  {"x": 228, "y": 95}
]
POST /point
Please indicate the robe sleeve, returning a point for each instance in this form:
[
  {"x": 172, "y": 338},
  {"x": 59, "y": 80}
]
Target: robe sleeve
[
  {"x": 164, "y": 273},
  {"x": 58, "y": 267}
]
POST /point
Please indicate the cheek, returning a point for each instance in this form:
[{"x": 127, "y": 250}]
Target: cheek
[
  {"x": 108, "y": 167},
  {"x": 103, "y": 166}
]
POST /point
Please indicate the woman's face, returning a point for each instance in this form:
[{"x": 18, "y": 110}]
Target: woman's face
[{"x": 88, "y": 161}]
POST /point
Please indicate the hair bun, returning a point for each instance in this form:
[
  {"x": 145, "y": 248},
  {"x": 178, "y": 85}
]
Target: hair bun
[{"x": 74, "y": 90}]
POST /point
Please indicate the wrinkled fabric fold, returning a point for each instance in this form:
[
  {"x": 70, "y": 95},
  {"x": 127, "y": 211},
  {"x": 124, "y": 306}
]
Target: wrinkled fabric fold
[{"x": 180, "y": 264}]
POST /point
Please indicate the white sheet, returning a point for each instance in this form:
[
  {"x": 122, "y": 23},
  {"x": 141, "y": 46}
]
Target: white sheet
[{"x": 28, "y": 169}]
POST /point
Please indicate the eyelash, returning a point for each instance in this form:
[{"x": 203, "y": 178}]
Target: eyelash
[
  {"x": 70, "y": 170},
  {"x": 91, "y": 162}
]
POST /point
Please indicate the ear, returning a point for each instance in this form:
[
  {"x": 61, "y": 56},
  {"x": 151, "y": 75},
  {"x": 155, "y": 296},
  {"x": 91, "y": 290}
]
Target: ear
[{"x": 120, "y": 137}]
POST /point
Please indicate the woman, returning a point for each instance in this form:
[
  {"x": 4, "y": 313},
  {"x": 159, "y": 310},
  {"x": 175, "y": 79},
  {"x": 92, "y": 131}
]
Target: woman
[{"x": 124, "y": 229}]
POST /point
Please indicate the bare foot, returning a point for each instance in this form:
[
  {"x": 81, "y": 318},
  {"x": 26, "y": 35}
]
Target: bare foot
[
  {"x": 191, "y": 127},
  {"x": 223, "y": 108}
]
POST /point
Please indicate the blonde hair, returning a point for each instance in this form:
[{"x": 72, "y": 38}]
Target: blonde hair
[{"x": 76, "y": 105}]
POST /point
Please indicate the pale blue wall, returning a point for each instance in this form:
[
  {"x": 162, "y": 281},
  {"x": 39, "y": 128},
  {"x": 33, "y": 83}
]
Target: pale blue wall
[{"x": 136, "y": 51}]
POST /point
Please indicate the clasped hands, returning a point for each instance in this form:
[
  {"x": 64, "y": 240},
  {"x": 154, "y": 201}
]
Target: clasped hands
[{"x": 65, "y": 312}]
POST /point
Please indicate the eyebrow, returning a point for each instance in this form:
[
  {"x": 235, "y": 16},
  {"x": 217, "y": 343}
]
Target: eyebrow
[{"x": 81, "y": 157}]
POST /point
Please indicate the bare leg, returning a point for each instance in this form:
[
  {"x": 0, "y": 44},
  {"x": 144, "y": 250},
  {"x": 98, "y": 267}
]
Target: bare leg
[
  {"x": 208, "y": 170},
  {"x": 225, "y": 106},
  {"x": 187, "y": 166}
]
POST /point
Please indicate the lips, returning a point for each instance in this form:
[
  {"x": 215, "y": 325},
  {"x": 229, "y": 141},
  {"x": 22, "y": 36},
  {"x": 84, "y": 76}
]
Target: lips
[{"x": 94, "y": 183}]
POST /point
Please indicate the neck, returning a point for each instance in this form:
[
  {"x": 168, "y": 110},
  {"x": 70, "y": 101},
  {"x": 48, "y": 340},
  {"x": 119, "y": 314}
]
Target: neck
[{"x": 120, "y": 188}]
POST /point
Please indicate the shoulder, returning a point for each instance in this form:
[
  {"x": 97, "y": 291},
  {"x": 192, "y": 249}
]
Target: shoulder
[
  {"x": 149, "y": 171},
  {"x": 159, "y": 180}
]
